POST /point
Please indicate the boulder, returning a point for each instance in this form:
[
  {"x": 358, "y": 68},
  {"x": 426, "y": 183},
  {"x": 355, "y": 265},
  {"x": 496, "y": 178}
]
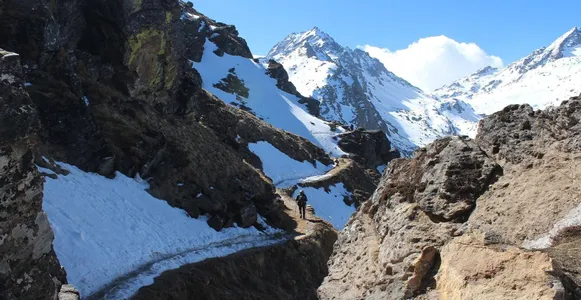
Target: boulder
[
  {"x": 248, "y": 216},
  {"x": 68, "y": 292}
]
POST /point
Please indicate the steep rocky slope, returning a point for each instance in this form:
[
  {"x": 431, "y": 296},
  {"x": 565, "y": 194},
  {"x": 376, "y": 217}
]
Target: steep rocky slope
[
  {"x": 29, "y": 268},
  {"x": 354, "y": 88},
  {"x": 108, "y": 87},
  {"x": 490, "y": 218},
  {"x": 545, "y": 77}
]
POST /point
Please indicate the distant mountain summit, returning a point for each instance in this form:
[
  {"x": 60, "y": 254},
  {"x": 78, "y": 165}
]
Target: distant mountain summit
[
  {"x": 354, "y": 88},
  {"x": 545, "y": 77}
]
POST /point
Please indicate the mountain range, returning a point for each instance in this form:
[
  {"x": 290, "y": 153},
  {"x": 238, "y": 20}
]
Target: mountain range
[
  {"x": 354, "y": 88},
  {"x": 545, "y": 77}
]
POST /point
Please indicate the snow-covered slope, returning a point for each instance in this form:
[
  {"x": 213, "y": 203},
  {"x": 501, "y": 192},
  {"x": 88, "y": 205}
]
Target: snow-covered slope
[
  {"x": 545, "y": 77},
  {"x": 106, "y": 229},
  {"x": 258, "y": 92},
  {"x": 249, "y": 83},
  {"x": 355, "y": 88}
]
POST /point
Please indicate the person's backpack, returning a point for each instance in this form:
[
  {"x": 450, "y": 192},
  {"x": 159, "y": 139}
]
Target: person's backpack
[{"x": 302, "y": 199}]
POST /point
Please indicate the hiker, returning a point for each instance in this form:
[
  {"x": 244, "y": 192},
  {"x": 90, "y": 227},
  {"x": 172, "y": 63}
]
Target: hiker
[
  {"x": 302, "y": 203},
  {"x": 351, "y": 127}
]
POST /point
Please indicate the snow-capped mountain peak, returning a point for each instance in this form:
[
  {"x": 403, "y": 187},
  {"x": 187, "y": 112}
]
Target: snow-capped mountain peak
[
  {"x": 354, "y": 88},
  {"x": 568, "y": 44},
  {"x": 311, "y": 43},
  {"x": 545, "y": 77}
]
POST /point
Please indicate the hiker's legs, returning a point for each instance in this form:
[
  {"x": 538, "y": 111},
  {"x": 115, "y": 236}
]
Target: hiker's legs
[{"x": 304, "y": 210}]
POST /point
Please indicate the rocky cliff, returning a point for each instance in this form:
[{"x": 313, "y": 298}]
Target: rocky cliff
[
  {"x": 115, "y": 91},
  {"x": 490, "y": 218},
  {"x": 29, "y": 268}
]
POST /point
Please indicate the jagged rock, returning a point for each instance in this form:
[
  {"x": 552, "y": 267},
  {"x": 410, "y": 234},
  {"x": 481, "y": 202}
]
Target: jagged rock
[
  {"x": 198, "y": 28},
  {"x": 247, "y": 215},
  {"x": 411, "y": 212},
  {"x": 277, "y": 71},
  {"x": 370, "y": 148},
  {"x": 29, "y": 268},
  {"x": 218, "y": 221},
  {"x": 515, "y": 171}
]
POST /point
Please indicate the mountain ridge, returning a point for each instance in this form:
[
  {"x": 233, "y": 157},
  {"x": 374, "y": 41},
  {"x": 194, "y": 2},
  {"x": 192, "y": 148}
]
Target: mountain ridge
[
  {"x": 547, "y": 75},
  {"x": 355, "y": 88}
]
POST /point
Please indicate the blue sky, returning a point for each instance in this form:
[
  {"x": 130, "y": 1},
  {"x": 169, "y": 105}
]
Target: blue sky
[{"x": 509, "y": 29}]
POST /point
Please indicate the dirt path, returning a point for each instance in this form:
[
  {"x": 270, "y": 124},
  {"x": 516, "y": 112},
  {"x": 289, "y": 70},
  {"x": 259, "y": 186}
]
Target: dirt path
[
  {"x": 124, "y": 286},
  {"x": 304, "y": 226}
]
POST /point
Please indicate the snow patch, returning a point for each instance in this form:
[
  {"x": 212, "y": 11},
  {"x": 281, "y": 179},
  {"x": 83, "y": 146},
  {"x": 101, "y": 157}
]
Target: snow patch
[
  {"x": 283, "y": 170},
  {"x": 573, "y": 218},
  {"x": 107, "y": 228},
  {"x": 266, "y": 100}
]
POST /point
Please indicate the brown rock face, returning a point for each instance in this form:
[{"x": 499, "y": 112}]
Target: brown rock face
[
  {"x": 115, "y": 91},
  {"x": 407, "y": 215},
  {"x": 512, "y": 188},
  {"x": 29, "y": 268},
  {"x": 470, "y": 269},
  {"x": 370, "y": 148}
]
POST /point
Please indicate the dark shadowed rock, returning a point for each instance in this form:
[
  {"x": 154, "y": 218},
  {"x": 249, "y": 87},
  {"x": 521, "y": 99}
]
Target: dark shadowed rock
[
  {"x": 29, "y": 268},
  {"x": 198, "y": 28},
  {"x": 277, "y": 71},
  {"x": 370, "y": 148},
  {"x": 248, "y": 216}
]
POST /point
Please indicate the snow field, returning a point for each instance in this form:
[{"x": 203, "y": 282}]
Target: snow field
[
  {"x": 107, "y": 228},
  {"x": 283, "y": 170},
  {"x": 276, "y": 107}
]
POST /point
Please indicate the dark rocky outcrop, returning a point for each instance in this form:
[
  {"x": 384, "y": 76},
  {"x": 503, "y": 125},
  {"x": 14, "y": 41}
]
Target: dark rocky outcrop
[
  {"x": 370, "y": 148},
  {"x": 114, "y": 91},
  {"x": 468, "y": 219},
  {"x": 277, "y": 71},
  {"x": 29, "y": 268},
  {"x": 198, "y": 28}
]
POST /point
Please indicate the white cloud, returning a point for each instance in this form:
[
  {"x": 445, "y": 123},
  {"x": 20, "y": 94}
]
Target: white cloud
[{"x": 434, "y": 61}]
